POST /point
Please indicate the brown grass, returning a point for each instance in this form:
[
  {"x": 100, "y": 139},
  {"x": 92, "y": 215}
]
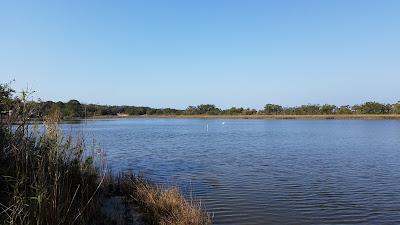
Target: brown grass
[
  {"x": 46, "y": 178},
  {"x": 163, "y": 206}
]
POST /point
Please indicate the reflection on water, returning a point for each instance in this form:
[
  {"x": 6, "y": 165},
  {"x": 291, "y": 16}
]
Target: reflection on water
[{"x": 266, "y": 172}]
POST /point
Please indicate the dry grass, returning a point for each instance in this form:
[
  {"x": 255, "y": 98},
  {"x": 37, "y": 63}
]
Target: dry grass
[
  {"x": 46, "y": 178},
  {"x": 163, "y": 206}
]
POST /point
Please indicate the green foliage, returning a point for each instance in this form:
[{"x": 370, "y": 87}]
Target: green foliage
[
  {"x": 345, "y": 109},
  {"x": 272, "y": 109},
  {"x": 238, "y": 111},
  {"x": 328, "y": 109},
  {"x": 396, "y": 108},
  {"x": 191, "y": 110},
  {"x": 233, "y": 111},
  {"x": 303, "y": 110},
  {"x": 73, "y": 109},
  {"x": 372, "y": 108},
  {"x": 6, "y": 99},
  {"x": 207, "y": 109}
]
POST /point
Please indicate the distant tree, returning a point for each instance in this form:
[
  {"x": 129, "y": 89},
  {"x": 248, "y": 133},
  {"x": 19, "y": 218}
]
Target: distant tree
[
  {"x": 6, "y": 97},
  {"x": 373, "y": 108},
  {"x": 133, "y": 110},
  {"x": 249, "y": 111},
  {"x": 73, "y": 109},
  {"x": 311, "y": 109},
  {"x": 304, "y": 110},
  {"x": 328, "y": 109},
  {"x": 396, "y": 108},
  {"x": 103, "y": 111},
  {"x": 47, "y": 107},
  {"x": 272, "y": 109},
  {"x": 233, "y": 111},
  {"x": 170, "y": 111},
  {"x": 344, "y": 109},
  {"x": 208, "y": 109},
  {"x": 152, "y": 111},
  {"x": 191, "y": 110},
  {"x": 60, "y": 105},
  {"x": 91, "y": 110}
]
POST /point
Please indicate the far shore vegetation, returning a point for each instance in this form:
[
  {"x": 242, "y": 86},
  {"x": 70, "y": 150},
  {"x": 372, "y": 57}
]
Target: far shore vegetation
[
  {"x": 48, "y": 178},
  {"x": 75, "y": 109}
]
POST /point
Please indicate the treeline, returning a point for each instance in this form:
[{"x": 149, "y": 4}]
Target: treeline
[
  {"x": 365, "y": 108},
  {"x": 75, "y": 109}
]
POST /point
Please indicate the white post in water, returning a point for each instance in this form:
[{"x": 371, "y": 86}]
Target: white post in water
[{"x": 207, "y": 127}]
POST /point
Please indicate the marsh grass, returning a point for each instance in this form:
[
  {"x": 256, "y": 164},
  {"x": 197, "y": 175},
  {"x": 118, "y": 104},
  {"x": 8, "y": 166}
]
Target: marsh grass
[
  {"x": 163, "y": 206},
  {"x": 46, "y": 177}
]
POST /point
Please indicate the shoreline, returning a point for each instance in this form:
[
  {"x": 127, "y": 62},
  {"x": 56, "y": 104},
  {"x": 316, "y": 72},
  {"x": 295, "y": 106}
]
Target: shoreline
[{"x": 265, "y": 117}]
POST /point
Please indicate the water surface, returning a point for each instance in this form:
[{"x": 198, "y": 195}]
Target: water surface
[{"x": 266, "y": 172}]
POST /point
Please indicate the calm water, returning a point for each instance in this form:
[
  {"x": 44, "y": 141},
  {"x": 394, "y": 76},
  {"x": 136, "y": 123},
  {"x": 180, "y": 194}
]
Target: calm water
[{"x": 266, "y": 172}]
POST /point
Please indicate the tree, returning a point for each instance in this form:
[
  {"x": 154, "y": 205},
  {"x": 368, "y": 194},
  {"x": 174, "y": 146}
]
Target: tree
[
  {"x": 73, "y": 109},
  {"x": 208, "y": 109},
  {"x": 396, "y": 108},
  {"x": 344, "y": 109},
  {"x": 191, "y": 110},
  {"x": 233, "y": 111},
  {"x": 47, "y": 107},
  {"x": 328, "y": 109},
  {"x": 249, "y": 111},
  {"x": 308, "y": 110},
  {"x": 373, "y": 108},
  {"x": 6, "y": 97},
  {"x": 272, "y": 109}
]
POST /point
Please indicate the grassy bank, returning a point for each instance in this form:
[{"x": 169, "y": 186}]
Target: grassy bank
[
  {"x": 49, "y": 178},
  {"x": 269, "y": 117},
  {"x": 160, "y": 205}
]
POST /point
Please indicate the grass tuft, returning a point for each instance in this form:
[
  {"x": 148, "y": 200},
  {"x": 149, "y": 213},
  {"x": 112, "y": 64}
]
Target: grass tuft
[
  {"x": 163, "y": 206},
  {"x": 45, "y": 178}
]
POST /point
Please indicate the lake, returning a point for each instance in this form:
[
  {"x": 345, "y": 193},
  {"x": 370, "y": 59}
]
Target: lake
[{"x": 265, "y": 171}]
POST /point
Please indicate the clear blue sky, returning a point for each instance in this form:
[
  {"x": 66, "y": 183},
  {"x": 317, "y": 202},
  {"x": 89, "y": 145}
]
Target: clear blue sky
[{"x": 180, "y": 53}]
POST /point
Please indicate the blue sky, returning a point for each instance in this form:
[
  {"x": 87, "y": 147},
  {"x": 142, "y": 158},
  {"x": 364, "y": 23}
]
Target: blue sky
[{"x": 180, "y": 53}]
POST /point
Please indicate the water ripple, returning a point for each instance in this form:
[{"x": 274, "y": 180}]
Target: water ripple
[{"x": 266, "y": 172}]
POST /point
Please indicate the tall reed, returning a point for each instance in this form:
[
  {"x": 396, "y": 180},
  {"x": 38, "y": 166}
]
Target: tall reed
[{"x": 46, "y": 178}]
